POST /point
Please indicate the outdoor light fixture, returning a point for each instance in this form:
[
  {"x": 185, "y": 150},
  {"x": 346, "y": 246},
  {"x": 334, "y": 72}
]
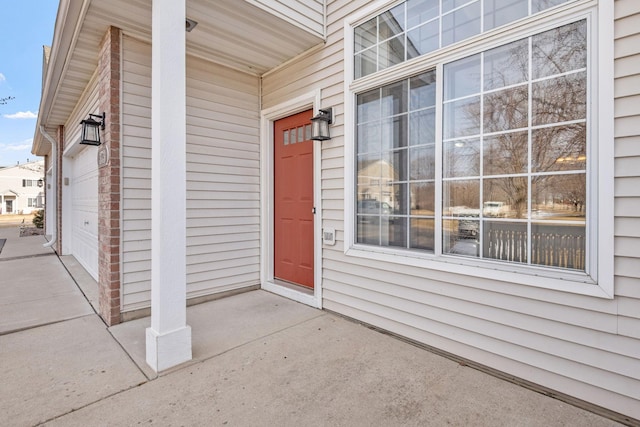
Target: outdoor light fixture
[
  {"x": 91, "y": 129},
  {"x": 320, "y": 125},
  {"x": 40, "y": 182}
]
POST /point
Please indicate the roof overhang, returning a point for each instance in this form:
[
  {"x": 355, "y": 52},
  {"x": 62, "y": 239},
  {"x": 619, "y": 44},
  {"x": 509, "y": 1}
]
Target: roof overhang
[{"x": 240, "y": 34}]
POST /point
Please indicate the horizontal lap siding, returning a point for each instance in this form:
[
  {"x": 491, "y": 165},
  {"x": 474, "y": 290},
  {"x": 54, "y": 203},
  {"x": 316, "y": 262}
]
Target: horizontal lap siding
[
  {"x": 307, "y": 14},
  {"x": 583, "y": 346},
  {"x": 223, "y": 183},
  {"x": 627, "y": 181}
]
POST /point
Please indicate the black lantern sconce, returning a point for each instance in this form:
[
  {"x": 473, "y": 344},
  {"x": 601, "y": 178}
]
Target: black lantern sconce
[
  {"x": 91, "y": 129},
  {"x": 320, "y": 125},
  {"x": 40, "y": 182}
]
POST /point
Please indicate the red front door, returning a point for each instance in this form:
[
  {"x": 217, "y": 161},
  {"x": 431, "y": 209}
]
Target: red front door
[{"x": 293, "y": 195}]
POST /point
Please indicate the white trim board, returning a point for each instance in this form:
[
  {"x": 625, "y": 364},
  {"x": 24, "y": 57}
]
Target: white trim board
[{"x": 267, "y": 117}]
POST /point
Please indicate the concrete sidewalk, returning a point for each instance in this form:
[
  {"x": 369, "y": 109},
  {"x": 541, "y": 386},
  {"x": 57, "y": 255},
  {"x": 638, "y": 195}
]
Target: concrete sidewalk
[{"x": 259, "y": 360}]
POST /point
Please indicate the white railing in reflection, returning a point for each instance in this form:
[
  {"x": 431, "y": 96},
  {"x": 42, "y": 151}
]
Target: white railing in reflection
[{"x": 551, "y": 249}]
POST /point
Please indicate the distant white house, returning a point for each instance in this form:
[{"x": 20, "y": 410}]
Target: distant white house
[{"x": 22, "y": 188}]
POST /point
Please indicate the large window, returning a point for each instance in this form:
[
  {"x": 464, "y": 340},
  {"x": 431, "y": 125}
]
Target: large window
[
  {"x": 418, "y": 27},
  {"x": 481, "y": 156},
  {"x": 396, "y": 159}
]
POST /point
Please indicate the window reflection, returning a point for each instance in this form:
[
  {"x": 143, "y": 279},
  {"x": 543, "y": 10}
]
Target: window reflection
[
  {"x": 423, "y": 163},
  {"x": 533, "y": 161},
  {"x": 427, "y": 27},
  {"x": 462, "y": 118},
  {"x": 395, "y": 185},
  {"x": 500, "y": 12},
  {"x": 513, "y": 150},
  {"x": 506, "y": 109},
  {"x": 506, "y": 241},
  {"x": 560, "y": 99},
  {"x": 419, "y": 11},
  {"x": 394, "y": 132},
  {"x": 422, "y": 127},
  {"x": 506, "y": 65},
  {"x": 540, "y": 5},
  {"x": 368, "y": 137},
  {"x": 422, "y": 234},
  {"x": 391, "y": 23},
  {"x": 369, "y": 106},
  {"x": 461, "y": 158},
  {"x": 422, "y": 198},
  {"x": 559, "y": 50},
  {"x": 461, "y": 23},
  {"x": 461, "y": 198},
  {"x": 423, "y": 39},
  {"x": 558, "y": 245},
  {"x": 462, "y": 78},
  {"x": 391, "y": 52},
  {"x": 559, "y": 148},
  {"x": 365, "y": 63},
  {"x": 559, "y": 197},
  {"x": 505, "y": 197},
  {"x": 505, "y": 153},
  {"x": 365, "y": 35}
]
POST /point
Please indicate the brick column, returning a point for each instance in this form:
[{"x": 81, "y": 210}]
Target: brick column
[{"x": 109, "y": 178}]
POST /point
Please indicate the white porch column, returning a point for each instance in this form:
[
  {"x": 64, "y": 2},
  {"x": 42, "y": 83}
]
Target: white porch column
[{"x": 169, "y": 337}]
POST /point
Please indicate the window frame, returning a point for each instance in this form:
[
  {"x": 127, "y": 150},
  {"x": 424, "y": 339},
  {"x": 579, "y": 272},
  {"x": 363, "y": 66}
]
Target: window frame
[{"x": 598, "y": 281}]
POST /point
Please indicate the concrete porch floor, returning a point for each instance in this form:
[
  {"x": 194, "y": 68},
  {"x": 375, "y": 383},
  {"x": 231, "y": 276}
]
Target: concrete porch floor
[{"x": 259, "y": 359}]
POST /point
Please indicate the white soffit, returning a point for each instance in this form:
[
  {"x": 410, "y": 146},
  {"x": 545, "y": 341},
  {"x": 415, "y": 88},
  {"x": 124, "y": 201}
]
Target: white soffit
[{"x": 229, "y": 32}]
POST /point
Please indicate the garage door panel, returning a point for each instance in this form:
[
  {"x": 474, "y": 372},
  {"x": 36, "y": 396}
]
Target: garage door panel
[{"x": 84, "y": 210}]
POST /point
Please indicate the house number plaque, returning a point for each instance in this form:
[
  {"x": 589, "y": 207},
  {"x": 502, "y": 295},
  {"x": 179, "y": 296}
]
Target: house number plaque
[{"x": 103, "y": 156}]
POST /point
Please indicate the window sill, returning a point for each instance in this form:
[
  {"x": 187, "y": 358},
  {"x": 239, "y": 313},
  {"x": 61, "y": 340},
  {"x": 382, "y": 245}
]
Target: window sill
[{"x": 556, "y": 280}]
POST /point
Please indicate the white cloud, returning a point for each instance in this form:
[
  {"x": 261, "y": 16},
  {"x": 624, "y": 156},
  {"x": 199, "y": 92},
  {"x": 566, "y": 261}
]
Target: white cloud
[
  {"x": 22, "y": 115},
  {"x": 17, "y": 146},
  {"x": 2, "y": 77}
]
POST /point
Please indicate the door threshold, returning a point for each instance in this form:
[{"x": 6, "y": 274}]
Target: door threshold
[
  {"x": 294, "y": 292},
  {"x": 293, "y": 286}
]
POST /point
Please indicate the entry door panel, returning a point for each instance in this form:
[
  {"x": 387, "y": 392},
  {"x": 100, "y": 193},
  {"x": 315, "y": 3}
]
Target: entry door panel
[{"x": 293, "y": 196}]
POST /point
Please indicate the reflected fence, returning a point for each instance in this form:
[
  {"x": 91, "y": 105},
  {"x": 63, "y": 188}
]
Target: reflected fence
[{"x": 549, "y": 248}]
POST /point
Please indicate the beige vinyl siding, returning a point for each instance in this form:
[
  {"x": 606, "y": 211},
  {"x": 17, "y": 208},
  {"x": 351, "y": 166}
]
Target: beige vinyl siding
[
  {"x": 583, "y": 346},
  {"x": 627, "y": 181},
  {"x": 308, "y": 15},
  {"x": 223, "y": 184},
  {"x": 88, "y": 103}
]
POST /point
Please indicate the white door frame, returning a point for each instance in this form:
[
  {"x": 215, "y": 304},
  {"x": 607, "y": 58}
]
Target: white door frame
[{"x": 267, "y": 117}]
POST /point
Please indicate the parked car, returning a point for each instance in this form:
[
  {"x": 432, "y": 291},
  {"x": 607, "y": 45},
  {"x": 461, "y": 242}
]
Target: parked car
[
  {"x": 373, "y": 206},
  {"x": 494, "y": 209}
]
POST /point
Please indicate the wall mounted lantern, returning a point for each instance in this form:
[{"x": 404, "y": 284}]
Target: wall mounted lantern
[
  {"x": 91, "y": 129},
  {"x": 320, "y": 125},
  {"x": 40, "y": 182}
]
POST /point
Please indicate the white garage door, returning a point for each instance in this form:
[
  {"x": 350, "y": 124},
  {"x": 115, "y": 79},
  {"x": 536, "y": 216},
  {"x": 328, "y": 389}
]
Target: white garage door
[{"x": 84, "y": 210}]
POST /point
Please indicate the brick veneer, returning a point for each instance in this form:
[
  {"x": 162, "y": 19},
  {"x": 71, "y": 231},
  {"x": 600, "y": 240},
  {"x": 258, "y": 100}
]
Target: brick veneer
[{"x": 109, "y": 179}]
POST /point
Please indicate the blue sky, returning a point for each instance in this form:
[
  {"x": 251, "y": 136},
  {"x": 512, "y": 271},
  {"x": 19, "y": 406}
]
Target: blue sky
[{"x": 26, "y": 26}]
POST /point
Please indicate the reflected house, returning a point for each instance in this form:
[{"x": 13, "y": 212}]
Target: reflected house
[
  {"x": 466, "y": 194},
  {"x": 375, "y": 182}
]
